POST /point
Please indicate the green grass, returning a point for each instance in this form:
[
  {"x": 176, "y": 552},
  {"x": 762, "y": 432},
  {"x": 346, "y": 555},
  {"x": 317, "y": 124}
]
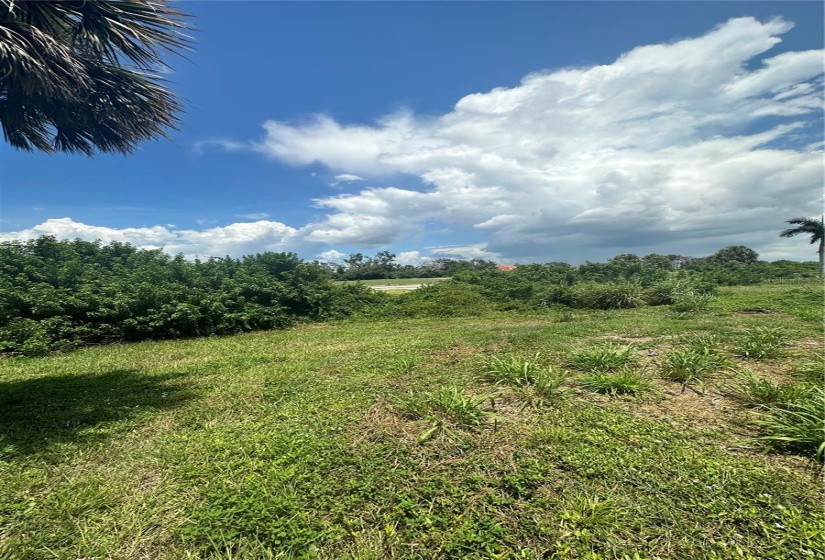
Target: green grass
[{"x": 290, "y": 444}]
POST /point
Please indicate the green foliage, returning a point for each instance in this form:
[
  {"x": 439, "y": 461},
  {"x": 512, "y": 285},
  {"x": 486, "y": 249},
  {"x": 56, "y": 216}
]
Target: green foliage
[
  {"x": 734, "y": 254},
  {"x": 619, "y": 295},
  {"x": 622, "y": 381},
  {"x": 798, "y": 425},
  {"x": 607, "y": 356},
  {"x": 762, "y": 343},
  {"x": 59, "y": 294},
  {"x": 444, "y": 299}
]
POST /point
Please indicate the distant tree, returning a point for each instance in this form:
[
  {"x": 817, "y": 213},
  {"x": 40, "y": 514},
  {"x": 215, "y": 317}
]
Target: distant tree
[
  {"x": 83, "y": 76},
  {"x": 734, "y": 254},
  {"x": 658, "y": 261},
  {"x": 812, "y": 227}
]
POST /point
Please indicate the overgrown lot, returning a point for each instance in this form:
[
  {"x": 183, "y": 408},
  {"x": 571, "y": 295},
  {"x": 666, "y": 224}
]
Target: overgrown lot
[{"x": 630, "y": 433}]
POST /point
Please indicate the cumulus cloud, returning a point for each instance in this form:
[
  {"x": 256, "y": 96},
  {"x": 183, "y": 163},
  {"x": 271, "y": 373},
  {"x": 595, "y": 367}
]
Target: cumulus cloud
[
  {"x": 331, "y": 255},
  {"x": 682, "y": 147},
  {"x": 666, "y": 144},
  {"x": 235, "y": 239}
]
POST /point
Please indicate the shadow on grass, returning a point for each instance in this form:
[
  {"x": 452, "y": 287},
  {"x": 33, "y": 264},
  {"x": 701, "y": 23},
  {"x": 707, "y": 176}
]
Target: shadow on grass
[{"x": 41, "y": 413}]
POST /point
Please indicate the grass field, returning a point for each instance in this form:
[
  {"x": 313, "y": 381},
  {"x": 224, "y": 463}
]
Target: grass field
[{"x": 487, "y": 437}]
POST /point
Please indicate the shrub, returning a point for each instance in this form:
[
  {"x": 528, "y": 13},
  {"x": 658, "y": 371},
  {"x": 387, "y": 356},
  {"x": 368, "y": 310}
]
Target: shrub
[
  {"x": 444, "y": 299},
  {"x": 605, "y": 357},
  {"x": 619, "y": 295}
]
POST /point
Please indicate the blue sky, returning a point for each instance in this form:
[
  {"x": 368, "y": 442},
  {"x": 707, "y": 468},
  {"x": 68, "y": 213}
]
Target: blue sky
[{"x": 518, "y": 132}]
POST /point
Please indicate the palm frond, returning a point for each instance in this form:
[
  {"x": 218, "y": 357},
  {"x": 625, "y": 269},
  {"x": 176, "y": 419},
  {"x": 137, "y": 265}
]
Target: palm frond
[{"x": 81, "y": 76}]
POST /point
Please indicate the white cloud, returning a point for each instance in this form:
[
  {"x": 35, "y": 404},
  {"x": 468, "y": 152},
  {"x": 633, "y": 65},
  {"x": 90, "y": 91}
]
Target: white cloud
[
  {"x": 477, "y": 251},
  {"x": 666, "y": 149},
  {"x": 348, "y": 178},
  {"x": 331, "y": 255},
  {"x": 666, "y": 144},
  {"x": 254, "y": 216},
  {"x": 235, "y": 239}
]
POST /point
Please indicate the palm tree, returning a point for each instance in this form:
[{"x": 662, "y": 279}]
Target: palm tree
[
  {"x": 80, "y": 76},
  {"x": 814, "y": 228}
]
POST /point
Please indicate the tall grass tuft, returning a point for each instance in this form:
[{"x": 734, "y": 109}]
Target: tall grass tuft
[
  {"x": 510, "y": 369},
  {"x": 756, "y": 391},
  {"x": 623, "y": 381},
  {"x": 762, "y": 343},
  {"x": 605, "y": 357},
  {"x": 691, "y": 366},
  {"x": 798, "y": 426}
]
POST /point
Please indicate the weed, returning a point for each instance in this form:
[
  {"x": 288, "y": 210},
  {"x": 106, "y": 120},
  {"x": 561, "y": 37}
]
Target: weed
[
  {"x": 546, "y": 389},
  {"x": 760, "y": 392},
  {"x": 762, "y": 343},
  {"x": 606, "y": 357},
  {"x": 798, "y": 426},
  {"x": 510, "y": 370},
  {"x": 691, "y": 366},
  {"x": 448, "y": 407},
  {"x": 812, "y": 372},
  {"x": 405, "y": 364},
  {"x": 707, "y": 344},
  {"x": 623, "y": 381},
  {"x": 691, "y": 302},
  {"x": 586, "y": 511}
]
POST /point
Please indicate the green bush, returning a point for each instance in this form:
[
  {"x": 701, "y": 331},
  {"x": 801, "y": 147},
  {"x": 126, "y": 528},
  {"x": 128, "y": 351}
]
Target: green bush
[
  {"x": 620, "y": 295},
  {"x": 444, "y": 299}
]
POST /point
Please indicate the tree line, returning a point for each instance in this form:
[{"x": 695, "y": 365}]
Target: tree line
[{"x": 56, "y": 295}]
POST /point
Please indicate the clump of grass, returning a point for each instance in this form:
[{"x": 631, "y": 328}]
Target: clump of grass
[
  {"x": 691, "y": 302},
  {"x": 405, "y": 364},
  {"x": 812, "y": 372},
  {"x": 450, "y": 406},
  {"x": 756, "y": 391},
  {"x": 762, "y": 343},
  {"x": 798, "y": 426},
  {"x": 707, "y": 344},
  {"x": 623, "y": 381},
  {"x": 690, "y": 366},
  {"x": 546, "y": 389},
  {"x": 536, "y": 385},
  {"x": 510, "y": 369},
  {"x": 605, "y": 357},
  {"x": 588, "y": 511}
]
